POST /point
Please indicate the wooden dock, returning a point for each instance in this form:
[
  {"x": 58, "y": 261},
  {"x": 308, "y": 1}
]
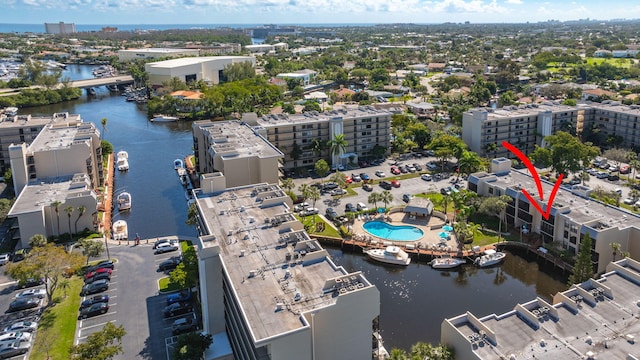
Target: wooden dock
[{"x": 542, "y": 257}]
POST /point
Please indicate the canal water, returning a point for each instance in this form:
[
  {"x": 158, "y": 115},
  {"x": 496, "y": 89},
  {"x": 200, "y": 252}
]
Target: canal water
[{"x": 414, "y": 300}]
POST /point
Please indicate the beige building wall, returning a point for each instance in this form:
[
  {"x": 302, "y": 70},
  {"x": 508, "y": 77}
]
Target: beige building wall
[
  {"x": 199, "y": 68},
  {"x": 137, "y": 54}
]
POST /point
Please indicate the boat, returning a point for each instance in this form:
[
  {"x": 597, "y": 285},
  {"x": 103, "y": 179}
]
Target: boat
[
  {"x": 124, "y": 201},
  {"x": 490, "y": 257},
  {"x": 446, "y": 262},
  {"x": 11, "y": 111},
  {"x": 178, "y": 164},
  {"x": 123, "y": 160},
  {"x": 91, "y": 91},
  {"x": 390, "y": 255},
  {"x": 182, "y": 174},
  {"x": 163, "y": 118},
  {"x": 120, "y": 231}
]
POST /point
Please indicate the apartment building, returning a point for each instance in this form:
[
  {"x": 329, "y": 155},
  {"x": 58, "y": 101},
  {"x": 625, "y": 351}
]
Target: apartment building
[
  {"x": 15, "y": 129},
  {"x": 573, "y": 214},
  {"x": 364, "y": 128},
  {"x": 155, "y": 53},
  {"x": 237, "y": 150},
  {"x": 592, "y": 320},
  {"x": 270, "y": 288},
  {"x": 43, "y": 205},
  {"x": 60, "y": 149}
]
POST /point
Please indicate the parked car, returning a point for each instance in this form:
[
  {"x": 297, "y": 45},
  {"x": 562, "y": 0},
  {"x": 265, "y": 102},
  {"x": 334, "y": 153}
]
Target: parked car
[
  {"x": 39, "y": 293},
  {"x": 602, "y": 175},
  {"x": 426, "y": 177},
  {"x": 361, "y": 207},
  {"x": 181, "y": 296},
  {"x": 403, "y": 169},
  {"x": 93, "y": 310},
  {"x": 102, "y": 264},
  {"x": 625, "y": 169},
  {"x": 395, "y": 183},
  {"x": 301, "y": 206},
  {"x": 177, "y": 308},
  {"x": 614, "y": 168},
  {"x": 385, "y": 184},
  {"x": 629, "y": 201},
  {"x": 349, "y": 208},
  {"x": 365, "y": 177},
  {"x": 395, "y": 171},
  {"x": 103, "y": 298},
  {"x": 613, "y": 177},
  {"x": 97, "y": 276},
  {"x": 15, "y": 336},
  {"x": 183, "y": 325},
  {"x": 170, "y": 263},
  {"x": 445, "y": 191},
  {"x": 330, "y": 213},
  {"x": 604, "y": 165},
  {"x": 11, "y": 349},
  {"x": 330, "y": 186},
  {"x": 356, "y": 177},
  {"x": 24, "y": 303},
  {"x": 411, "y": 169},
  {"x": 163, "y": 241},
  {"x": 380, "y": 173},
  {"x": 98, "y": 271},
  {"x": 4, "y": 259},
  {"x": 432, "y": 166},
  {"x": 575, "y": 181},
  {"x": 95, "y": 287},
  {"x": 406, "y": 197},
  {"x": 337, "y": 192},
  {"x": 165, "y": 247},
  {"x": 367, "y": 187},
  {"x": 23, "y": 326},
  {"x": 309, "y": 211},
  {"x": 417, "y": 166},
  {"x": 23, "y": 284}
]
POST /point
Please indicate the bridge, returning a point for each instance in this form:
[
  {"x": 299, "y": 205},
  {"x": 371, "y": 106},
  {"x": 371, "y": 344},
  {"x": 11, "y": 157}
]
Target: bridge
[{"x": 113, "y": 80}]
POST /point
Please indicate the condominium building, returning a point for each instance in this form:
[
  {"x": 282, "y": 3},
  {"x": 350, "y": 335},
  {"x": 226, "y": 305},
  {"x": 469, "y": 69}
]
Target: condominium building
[
  {"x": 363, "y": 128},
  {"x": 155, "y": 53},
  {"x": 272, "y": 289},
  {"x": 60, "y": 149},
  {"x": 573, "y": 214},
  {"x": 15, "y": 129},
  {"x": 593, "y": 320},
  {"x": 44, "y": 204},
  {"x": 60, "y": 28},
  {"x": 237, "y": 150}
]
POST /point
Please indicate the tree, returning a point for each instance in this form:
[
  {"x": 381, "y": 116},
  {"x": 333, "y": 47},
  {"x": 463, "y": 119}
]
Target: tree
[
  {"x": 192, "y": 215},
  {"x": 386, "y": 197},
  {"x": 496, "y": 206},
  {"x": 618, "y": 155},
  {"x": 107, "y": 148},
  {"x": 311, "y": 105},
  {"x": 317, "y": 146},
  {"x": 615, "y": 247},
  {"x": 56, "y": 205},
  {"x": 287, "y": 184},
  {"x": 313, "y": 194},
  {"x": 91, "y": 248},
  {"x": 339, "y": 179},
  {"x": 288, "y": 108},
  {"x": 469, "y": 162},
  {"x": 423, "y": 351},
  {"x": 322, "y": 168},
  {"x": 446, "y": 146},
  {"x": 565, "y": 153},
  {"x": 185, "y": 275},
  {"x": 101, "y": 345},
  {"x": 374, "y": 198},
  {"x": 583, "y": 269},
  {"x": 337, "y": 147},
  {"x": 191, "y": 345},
  {"x": 238, "y": 71},
  {"x": 49, "y": 262},
  {"x": 296, "y": 152},
  {"x": 37, "y": 240},
  {"x": 69, "y": 210},
  {"x": 81, "y": 211},
  {"x": 103, "y": 122}
]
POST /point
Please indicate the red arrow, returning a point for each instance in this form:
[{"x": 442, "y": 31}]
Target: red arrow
[{"x": 534, "y": 173}]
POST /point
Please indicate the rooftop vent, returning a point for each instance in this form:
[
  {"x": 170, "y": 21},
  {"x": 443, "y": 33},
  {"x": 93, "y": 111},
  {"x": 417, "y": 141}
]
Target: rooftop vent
[{"x": 252, "y": 273}]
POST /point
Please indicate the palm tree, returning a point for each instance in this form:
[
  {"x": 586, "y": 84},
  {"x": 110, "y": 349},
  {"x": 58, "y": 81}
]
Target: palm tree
[
  {"x": 304, "y": 190},
  {"x": 313, "y": 195},
  {"x": 635, "y": 165},
  {"x": 37, "y": 240},
  {"x": 584, "y": 176},
  {"x": 496, "y": 206},
  {"x": 103, "y": 121},
  {"x": 69, "y": 210},
  {"x": 374, "y": 197},
  {"x": 317, "y": 146},
  {"x": 337, "y": 147},
  {"x": 616, "y": 249},
  {"x": 339, "y": 178},
  {"x": 55, "y": 206},
  {"x": 81, "y": 210},
  {"x": 288, "y": 184},
  {"x": 386, "y": 197}
]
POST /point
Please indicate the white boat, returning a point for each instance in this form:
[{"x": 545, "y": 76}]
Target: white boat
[
  {"x": 124, "y": 201},
  {"x": 11, "y": 111},
  {"x": 163, "y": 118},
  {"x": 178, "y": 164},
  {"x": 120, "y": 231},
  {"x": 123, "y": 161},
  {"x": 390, "y": 255},
  {"x": 490, "y": 257},
  {"x": 447, "y": 262}
]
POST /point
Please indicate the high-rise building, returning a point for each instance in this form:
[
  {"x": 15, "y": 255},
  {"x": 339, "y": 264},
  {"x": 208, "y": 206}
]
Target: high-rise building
[{"x": 60, "y": 28}]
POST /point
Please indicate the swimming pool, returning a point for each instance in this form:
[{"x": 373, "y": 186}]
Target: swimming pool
[{"x": 393, "y": 232}]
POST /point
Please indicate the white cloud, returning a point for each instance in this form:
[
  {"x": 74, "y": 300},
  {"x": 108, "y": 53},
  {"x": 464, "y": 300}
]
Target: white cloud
[{"x": 514, "y": 2}]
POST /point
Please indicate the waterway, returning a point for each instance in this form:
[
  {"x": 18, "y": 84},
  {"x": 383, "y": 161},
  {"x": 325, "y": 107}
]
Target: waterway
[{"x": 414, "y": 299}]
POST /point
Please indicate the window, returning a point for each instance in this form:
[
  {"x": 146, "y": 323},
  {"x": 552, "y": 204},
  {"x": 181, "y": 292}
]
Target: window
[{"x": 366, "y": 133}]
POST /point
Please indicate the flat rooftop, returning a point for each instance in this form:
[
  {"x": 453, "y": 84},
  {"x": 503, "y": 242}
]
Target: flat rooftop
[
  {"x": 156, "y": 50},
  {"x": 232, "y": 139},
  {"x": 275, "y": 270},
  {"x": 273, "y": 120},
  {"x": 61, "y": 136},
  {"x": 193, "y": 60},
  {"x": 534, "y": 110},
  {"x": 20, "y": 121},
  {"x": 41, "y": 193},
  {"x": 596, "y": 319}
]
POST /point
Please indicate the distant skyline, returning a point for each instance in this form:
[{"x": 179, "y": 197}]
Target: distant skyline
[{"x": 115, "y": 12}]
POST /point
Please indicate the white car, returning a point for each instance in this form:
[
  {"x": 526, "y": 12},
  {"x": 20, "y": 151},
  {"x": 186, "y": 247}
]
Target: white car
[
  {"x": 309, "y": 211},
  {"x": 15, "y": 336},
  {"x": 39, "y": 293},
  {"x": 4, "y": 259},
  {"x": 426, "y": 177},
  {"x": 380, "y": 173},
  {"x": 22, "y": 326},
  {"x": 361, "y": 207},
  {"x": 166, "y": 247},
  {"x": 338, "y": 191},
  {"x": 628, "y": 201},
  {"x": 432, "y": 166}
]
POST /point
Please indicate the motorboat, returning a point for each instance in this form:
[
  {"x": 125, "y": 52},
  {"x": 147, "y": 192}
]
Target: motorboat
[
  {"x": 11, "y": 111},
  {"x": 124, "y": 201},
  {"x": 178, "y": 164},
  {"x": 163, "y": 118},
  {"x": 390, "y": 255},
  {"x": 182, "y": 174},
  {"x": 490, "y": 257},
  {"x": 446, "y": 262},
  {"x": 123, "y": 160},
  {"x": 120, "y": 231}
]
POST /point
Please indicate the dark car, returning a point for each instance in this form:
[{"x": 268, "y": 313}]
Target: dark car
[
  {"x": 417, "y": 166},
  {"x": 331, "y": 214},
  {"x": 406, "y": 197},
  {"x": 24, "y": 303},
  {"x": 182, "y": 296},
  {"x": 445, "y": 191},
  {"x": 95, "y": 287},
  {"x": 22, "y": 284},
  {"x": 170, "y": 264},
  {"x": 177, "y": 308},
  {"x": 330, "y": 186},
  {"x": 11, "y": 349},
  {"x": 365, "y": 177},
  {"x": 93, "y": 310},
  {"x": 385, "y": 184},
  {"x": 104, "y": 298},
  {"x": 613, "y": 178},
  {"x": 97, "y": 276},
  {"x": 403, "y": 169},
  {"x": 367, "y": 187},
  {"x": 349, "y": 208},
  {"x": 108, "y": 264}
]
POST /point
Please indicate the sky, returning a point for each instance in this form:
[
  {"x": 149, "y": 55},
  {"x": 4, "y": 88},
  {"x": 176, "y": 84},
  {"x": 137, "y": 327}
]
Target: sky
[{"x": 114, "y": 12}]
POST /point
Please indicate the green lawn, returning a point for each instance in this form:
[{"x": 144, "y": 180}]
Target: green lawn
[
  {"x": 165, "y": 285},
  {"x": 308, "y": 222},
  {"x": 58, "y": 323}
]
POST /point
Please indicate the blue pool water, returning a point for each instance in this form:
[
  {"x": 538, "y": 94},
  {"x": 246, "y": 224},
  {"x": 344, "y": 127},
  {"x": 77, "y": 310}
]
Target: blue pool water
[{"x": 393, "y": 232}]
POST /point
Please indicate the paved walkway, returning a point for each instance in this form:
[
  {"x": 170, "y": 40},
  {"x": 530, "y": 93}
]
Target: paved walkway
[{"x": 107, "y": 198}]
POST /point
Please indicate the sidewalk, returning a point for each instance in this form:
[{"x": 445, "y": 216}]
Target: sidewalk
[{"x": 107, "y": 198}]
